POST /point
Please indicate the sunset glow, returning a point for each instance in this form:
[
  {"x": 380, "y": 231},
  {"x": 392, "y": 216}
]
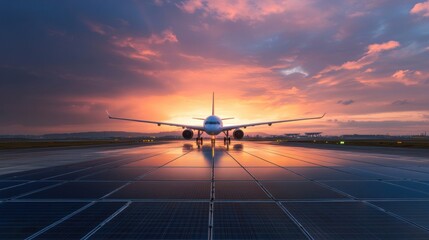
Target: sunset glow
[{"x": 364, "y": 63}]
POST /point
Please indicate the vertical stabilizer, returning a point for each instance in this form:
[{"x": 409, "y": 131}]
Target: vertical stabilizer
[{"x": 213, "y": 104}]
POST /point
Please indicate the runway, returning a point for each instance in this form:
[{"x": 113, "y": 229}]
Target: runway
[{"x": 250, "y": 190}]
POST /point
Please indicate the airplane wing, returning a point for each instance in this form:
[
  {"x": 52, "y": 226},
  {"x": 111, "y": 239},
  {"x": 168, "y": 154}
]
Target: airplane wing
[
  {"x": 158, "y": 123},
  {"x": 226, "y": 128}
]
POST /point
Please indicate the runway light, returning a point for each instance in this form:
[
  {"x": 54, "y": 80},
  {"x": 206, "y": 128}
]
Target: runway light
[
  {"x": 399, "y": 142},
  {"x": 342, "y": 142}
]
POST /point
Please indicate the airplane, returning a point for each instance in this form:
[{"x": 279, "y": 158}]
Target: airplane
[{"x": 213, "y": 125}]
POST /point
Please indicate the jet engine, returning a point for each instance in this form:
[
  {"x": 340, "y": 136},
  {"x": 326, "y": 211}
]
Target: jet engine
[
  {"x": 238, "y": 134},
  {"x": 187, "y": 134}
]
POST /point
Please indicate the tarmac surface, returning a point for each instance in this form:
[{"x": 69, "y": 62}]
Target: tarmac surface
[{"x": 248, "y": 190}]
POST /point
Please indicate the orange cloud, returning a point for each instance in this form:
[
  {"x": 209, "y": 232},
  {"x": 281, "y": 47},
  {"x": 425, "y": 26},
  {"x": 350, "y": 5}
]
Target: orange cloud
[
  {"x": 408, "y": 77},
  {"x": 142, "y": 46},
  {"x": 368, "y": 58},
  {"x": 376, "y": 48},
  {"x": 243, "y": 9},
  {"x": 421, "y": 9}
]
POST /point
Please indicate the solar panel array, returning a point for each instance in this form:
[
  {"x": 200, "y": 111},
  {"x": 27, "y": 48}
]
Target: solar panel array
[{"x": 246, "y": 191}]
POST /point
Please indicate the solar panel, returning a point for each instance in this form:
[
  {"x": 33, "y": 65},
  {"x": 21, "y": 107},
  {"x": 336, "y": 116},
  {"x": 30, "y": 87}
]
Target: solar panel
[
  {"x": 413, "y": 185},
  {"x": 231, "y": 174},
  {"x": 154, "y": 161},
  {"x": 414, "y": 211},
  {"x": 401, "y": 173},
  {"x": 9, "y": 184},
  {"x": 274, "y": 173},
  {"x": 248, "y": 160},
  {"x": 253, "y": 221},
  {"x": 300, "y": 190},
  {"x": 26, "y": 188},
  {"x": 80, "y": 224},
  {"x": 45, "y": 173},
  {"x": 164, "y": 190},
  {"x": 374, "y": 189},
  {"x": 193, "y": 159},
  {"x": 351, "y": 220},
  {"x": 76, "y": 175},
  {"x": 225, "y": 161},
  {"x": 322, "y": 173},
  {"x": 281, "y": 160},
  {"x": 119, "y": 174},
  {"x": 366, "y": 173},
  {"x": 239, "y": 190},
  {"x": 161, "y": 220},
  {"x": 166, "y": 173},
  {"x": 19, "y": 220},
  {"x": 76, "y": 190}
]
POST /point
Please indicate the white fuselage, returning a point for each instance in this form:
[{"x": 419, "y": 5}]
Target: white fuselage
[{"x": 213, "y": 125}]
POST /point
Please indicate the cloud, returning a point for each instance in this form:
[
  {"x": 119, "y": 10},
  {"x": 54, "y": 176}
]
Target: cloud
[
  {"x": 408, "y": 77},
  {"x": 421, "y": 9},
  {"x": 289, "y": 71},
  {"x": 401, "y": 102},
  {"x": 346, "y": 102},
  {"x": 368, "y": 58},
  {"x": 97, "y": 27},
  {"x": 242, "y": 9},
  {"x": 191, "y": 6},
  {"x": 141, "y": 48},
  {"x": 376, "y": 48}
]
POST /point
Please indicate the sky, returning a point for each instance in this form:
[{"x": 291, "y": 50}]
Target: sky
[{"x": 364, "y": 63}]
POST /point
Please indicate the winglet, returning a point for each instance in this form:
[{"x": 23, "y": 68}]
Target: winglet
[
  {"x": 323, "y": 115},
  {"x": 213, "y": 104}
]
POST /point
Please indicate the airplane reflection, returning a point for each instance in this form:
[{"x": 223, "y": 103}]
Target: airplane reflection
[{"x": 211, "y": 152}]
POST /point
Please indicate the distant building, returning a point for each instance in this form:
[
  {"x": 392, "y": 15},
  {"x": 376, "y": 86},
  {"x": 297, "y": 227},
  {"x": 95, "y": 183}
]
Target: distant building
[
  {"x": 313, "y": 134},
  {"x": 292, "y": 135}
]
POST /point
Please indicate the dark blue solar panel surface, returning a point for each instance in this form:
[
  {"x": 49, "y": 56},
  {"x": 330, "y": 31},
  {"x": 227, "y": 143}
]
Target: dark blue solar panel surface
[
  {"x": 179, "y": 191},
  {"x": 300, "y": 190},
  {"x": 423, "y": 187},
  {"x": 9, "y": 184},
  {"x": 19, "y": 220},
  {"x": 158, "y": 221},
  {"x": 375, "y": 189},
  {"x": 80, "y": 224},
  {"x": 164, "y": 190},
  {"x": 119, "y": 174},
  {"x": 76, "y": 190},
  {"x": 414, "y": 211},
  {"x": 351, "y": 220},
  {"x": 23, "y": 189},
  {"x": 253, "y": 221},
  {"x": 237, "y": 190}
]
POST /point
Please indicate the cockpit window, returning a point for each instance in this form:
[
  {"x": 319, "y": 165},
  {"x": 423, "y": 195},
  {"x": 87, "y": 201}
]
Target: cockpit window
[{"x": 212, "y": 122}]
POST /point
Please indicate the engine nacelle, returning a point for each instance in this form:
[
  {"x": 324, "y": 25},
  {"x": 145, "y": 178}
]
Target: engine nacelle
[
  {"x": 187, "y": 134},
  {"x": 238, "y": 134}
]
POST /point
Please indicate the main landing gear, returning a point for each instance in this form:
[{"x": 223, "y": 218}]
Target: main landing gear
[
  {"x": 227, "y": 139},
  {"x": 199, "y": 139}
]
